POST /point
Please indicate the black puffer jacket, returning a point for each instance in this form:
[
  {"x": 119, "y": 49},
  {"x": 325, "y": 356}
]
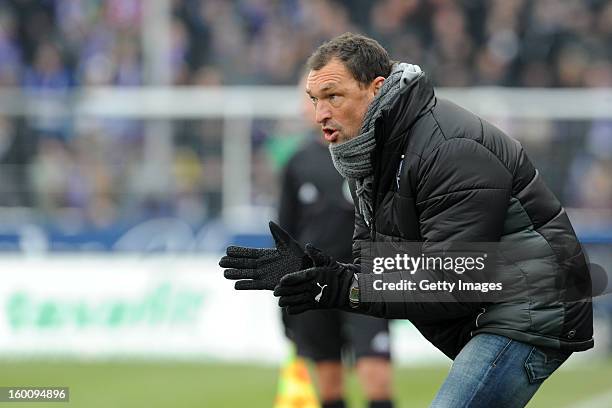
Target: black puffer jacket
[{"x": 462, "y": 179}]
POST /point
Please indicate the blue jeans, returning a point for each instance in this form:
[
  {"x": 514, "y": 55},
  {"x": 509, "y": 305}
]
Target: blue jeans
[{"x": 495, "y": 371}]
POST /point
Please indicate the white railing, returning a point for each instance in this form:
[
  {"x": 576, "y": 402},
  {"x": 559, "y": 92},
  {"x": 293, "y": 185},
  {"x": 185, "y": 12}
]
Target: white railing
[{"x": 282, "y": 101}]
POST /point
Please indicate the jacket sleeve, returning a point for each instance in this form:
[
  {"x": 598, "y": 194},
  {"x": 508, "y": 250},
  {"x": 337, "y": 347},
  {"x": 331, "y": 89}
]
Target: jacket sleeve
[{"x": 462, "y": 195}]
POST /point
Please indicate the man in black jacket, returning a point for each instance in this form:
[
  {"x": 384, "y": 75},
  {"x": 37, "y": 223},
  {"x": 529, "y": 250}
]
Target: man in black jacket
[
  {"x": 316, "y": 206},
  {"x": 422, "y": 169}
]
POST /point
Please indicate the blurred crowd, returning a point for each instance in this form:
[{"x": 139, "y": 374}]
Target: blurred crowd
[
  {"x": 98, "y": 169},
  {"x": 62, "y": 43}
]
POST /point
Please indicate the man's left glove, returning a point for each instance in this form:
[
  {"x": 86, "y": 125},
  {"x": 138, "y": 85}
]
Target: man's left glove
[
  {"x": 263, "y": 268},
  {"x": 324, "y": 286}
]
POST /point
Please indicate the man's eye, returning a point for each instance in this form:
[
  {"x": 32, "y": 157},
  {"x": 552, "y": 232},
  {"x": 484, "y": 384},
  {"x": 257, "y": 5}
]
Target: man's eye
[
  {"x": 313, "y": 100},
  {"x": 334, "y": 99}
]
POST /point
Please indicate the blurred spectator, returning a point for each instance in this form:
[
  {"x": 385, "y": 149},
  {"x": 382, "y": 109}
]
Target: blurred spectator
[
  {"x": 49, "y": 175},
  {"x": 188, "y": 177},
  {"x": 10, "y": 54},
  {"x": 48, "y": 71},
  {"x": 12, "y": 192},
  {"x": 590, "y": 184}
]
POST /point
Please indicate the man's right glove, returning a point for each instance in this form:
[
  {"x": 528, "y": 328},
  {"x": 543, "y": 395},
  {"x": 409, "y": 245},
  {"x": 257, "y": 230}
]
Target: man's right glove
[
  {"x": 324, "y": 286},
  {"x": 262, "y": 268}
]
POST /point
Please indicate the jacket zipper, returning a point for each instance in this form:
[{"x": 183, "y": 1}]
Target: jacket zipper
[
  {"x": 372, "y": 230},
  {"x": 399, "y": 172}
]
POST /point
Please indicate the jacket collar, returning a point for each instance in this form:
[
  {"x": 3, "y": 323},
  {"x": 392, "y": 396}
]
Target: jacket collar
[
  {"x": 409, "y": 105},
  {"x": 392, "y": 129}
]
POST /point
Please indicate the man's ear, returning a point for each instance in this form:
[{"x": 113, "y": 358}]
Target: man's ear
[{"x": 377, "y": 84}]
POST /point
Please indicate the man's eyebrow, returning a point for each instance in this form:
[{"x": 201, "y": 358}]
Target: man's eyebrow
[
  {"x": 325, "y": 88},
  {"x": 328, "y": 87}
]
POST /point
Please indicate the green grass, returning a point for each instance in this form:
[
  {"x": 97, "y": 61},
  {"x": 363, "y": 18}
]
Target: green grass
[{"x": 141, "y": 384}]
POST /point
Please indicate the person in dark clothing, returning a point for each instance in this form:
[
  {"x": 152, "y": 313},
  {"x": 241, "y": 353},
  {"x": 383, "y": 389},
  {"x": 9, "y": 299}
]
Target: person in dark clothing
[
  {"x": 315, "y": 202},
  {"x": 423, "y": 169},
  {"x": 316, "y": 206}
]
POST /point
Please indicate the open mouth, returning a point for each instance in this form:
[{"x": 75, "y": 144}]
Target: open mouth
[{"x": 331, "y": 135}]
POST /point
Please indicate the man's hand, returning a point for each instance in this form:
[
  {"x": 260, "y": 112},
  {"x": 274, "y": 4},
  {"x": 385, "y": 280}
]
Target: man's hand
[
  {"x": 324, "y": 286},
  {"x": 263, "y": 268}
]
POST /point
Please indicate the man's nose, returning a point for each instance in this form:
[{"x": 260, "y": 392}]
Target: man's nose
[{"x": 322, "y": 112}]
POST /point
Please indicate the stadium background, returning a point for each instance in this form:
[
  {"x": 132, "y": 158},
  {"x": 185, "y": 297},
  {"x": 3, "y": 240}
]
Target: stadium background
[{"x": 139, "y": 137}]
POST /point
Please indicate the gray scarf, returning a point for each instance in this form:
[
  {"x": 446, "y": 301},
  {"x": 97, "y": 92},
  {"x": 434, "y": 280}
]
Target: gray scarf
[{"x": 352, "y": 158}]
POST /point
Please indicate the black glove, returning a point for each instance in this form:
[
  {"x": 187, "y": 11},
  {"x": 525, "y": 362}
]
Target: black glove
[
  {"x": 324, "y": 286},
  {"x": 263, "y": 268}
]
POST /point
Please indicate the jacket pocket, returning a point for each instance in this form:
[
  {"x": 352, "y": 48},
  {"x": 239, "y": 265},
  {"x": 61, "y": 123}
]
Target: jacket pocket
[{"x": 541, "y": 363}]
